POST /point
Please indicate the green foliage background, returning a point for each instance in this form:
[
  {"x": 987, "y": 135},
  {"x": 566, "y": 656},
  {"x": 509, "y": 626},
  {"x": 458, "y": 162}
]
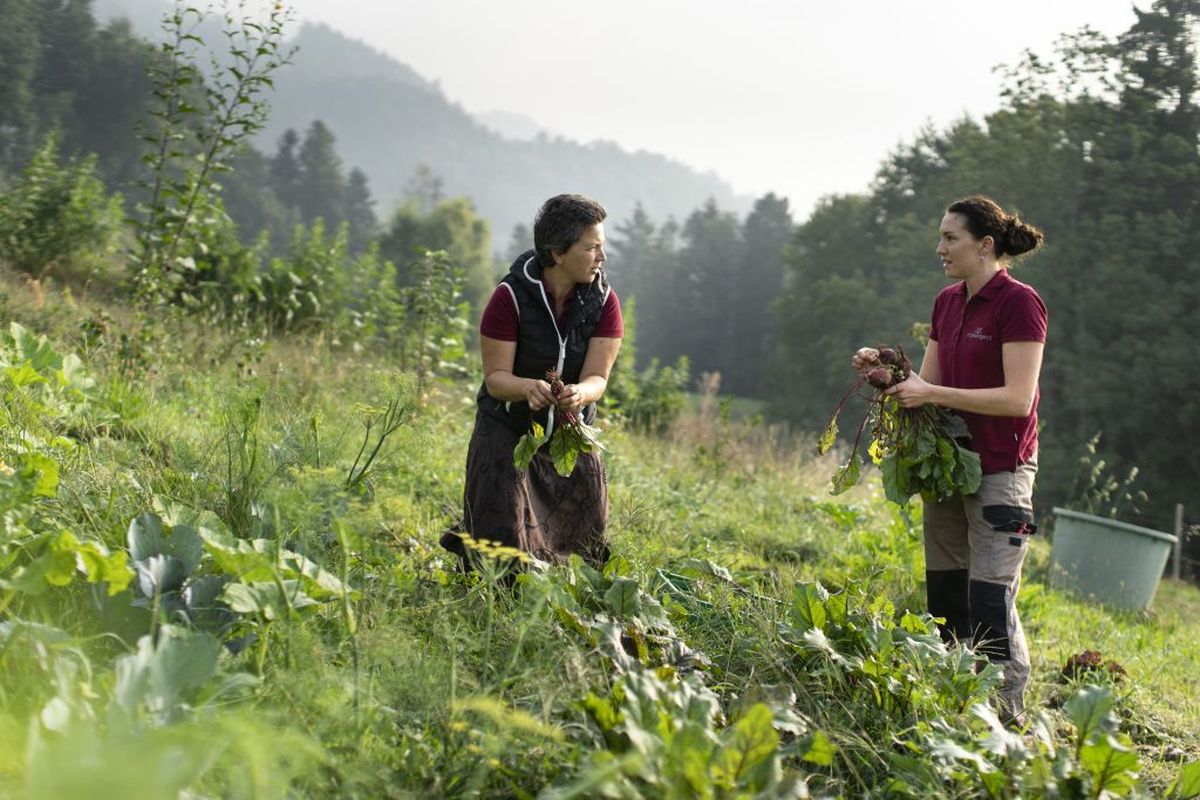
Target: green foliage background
[{"x": 1098, "y": 147}]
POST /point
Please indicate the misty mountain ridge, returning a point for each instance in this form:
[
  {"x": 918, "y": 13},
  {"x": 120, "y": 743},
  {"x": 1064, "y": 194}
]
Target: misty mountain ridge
[
  {"x": 389, "y": 121},
  {"x": 512, "y": 125}
]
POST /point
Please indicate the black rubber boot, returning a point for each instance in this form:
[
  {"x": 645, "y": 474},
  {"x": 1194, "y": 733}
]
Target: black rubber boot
[
  {"x": 989, "y": 620},
  {"x": 947, "y": 593}
]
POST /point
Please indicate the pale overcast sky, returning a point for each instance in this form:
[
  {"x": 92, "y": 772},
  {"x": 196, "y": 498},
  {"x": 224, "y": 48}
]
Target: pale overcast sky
[{"x": 800, "y": 98}]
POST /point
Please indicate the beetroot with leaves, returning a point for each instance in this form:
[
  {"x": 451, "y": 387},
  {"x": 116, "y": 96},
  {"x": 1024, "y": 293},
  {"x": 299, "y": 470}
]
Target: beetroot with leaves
[
  {"x": 570, "y": 437},
  {"x": 918, "y": 450}
]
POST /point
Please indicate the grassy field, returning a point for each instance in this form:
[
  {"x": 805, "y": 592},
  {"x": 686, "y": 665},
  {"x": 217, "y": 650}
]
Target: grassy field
[{"x": 290, "y": 627}]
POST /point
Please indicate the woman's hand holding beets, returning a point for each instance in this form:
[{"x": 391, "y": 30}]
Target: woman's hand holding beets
[
  {"x": 570, "y": 398},
  {"x": 912, "y": 392},
  {"x": 538, "y": 395}
]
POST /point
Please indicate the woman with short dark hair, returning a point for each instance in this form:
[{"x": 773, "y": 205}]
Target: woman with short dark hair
[
  {"x": 983, "y": 361},
  {"x": 554, "y": 310}
]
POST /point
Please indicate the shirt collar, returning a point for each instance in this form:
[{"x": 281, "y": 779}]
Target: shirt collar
[{"x": 993, "y": 287}]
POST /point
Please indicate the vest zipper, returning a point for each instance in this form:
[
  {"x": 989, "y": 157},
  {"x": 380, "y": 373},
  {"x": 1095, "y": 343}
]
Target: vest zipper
[{"x": 562, "y": 343}]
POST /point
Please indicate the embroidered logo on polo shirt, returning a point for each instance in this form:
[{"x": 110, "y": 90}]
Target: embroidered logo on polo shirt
[{"x": 980, "y": 335}]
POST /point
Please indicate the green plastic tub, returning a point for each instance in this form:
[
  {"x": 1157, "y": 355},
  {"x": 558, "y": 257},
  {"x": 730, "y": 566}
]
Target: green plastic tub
[{"x": 1113, "y": 562}]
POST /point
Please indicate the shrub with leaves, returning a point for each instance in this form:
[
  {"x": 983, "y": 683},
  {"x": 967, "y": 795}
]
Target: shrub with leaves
[
  {"x": 56, "y": 212},
  {"x": 433, "y": 340},
  {"x": 44, "y": 402},
  {"x": 200, "y": 119}
]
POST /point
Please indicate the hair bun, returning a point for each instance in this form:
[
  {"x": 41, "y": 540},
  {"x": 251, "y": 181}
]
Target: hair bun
[{"x": 1020, "y": 237}]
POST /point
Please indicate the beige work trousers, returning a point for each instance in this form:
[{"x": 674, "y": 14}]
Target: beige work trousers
[{"x": 975, "y": 546}]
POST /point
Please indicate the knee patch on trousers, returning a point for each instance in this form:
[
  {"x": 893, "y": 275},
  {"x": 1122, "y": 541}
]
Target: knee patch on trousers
[
  {"x": 989, "y": 619},
  {"x": 1010, "y": 519},
  {"x": 946, "y": 594}
]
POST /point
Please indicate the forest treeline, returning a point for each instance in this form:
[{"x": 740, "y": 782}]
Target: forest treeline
[
  {"x": 1099, "y": 147},
  {"x": 1097, "y": 144}
]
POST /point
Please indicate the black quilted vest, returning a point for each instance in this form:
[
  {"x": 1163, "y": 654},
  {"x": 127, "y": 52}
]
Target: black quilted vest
[{"x": 541, "y": 345}]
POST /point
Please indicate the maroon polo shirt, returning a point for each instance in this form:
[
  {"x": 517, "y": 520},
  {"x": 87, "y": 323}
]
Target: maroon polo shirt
[
  {"x": 502, "y": 321},
  {"x": 970, "y": 335}
]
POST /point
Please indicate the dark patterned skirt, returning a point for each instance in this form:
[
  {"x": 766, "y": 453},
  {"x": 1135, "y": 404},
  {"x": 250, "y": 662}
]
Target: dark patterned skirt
[{"x": 538, "y": 510}]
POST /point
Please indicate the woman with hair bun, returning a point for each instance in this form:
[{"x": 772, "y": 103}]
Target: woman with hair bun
[{"x": 983, "y": 360}]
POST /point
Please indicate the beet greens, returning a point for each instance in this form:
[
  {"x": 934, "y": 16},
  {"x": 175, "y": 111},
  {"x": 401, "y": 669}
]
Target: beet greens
[
  {"x": 571, "y": 437},
  {"x": 918, "y": 450}
]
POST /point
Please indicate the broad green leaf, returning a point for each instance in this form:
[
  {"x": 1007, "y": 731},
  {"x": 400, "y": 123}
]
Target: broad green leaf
[
  {"x": 1091, "y": 711},
  {"x": 205, "y": 609},
  {"x": 246, "y": 560},
  {"x": 157, "y": 676},
  {"x": 969, "y": 474},
  {"x": 1187, "y": 784},
  {"x": 1113, "y": 765},
  {"x": 100, "y": 566},
  {"x": 926, "y": 443},
  {"x": 689, "y": 752},
  {"x": 43, "y": 470},
  {"x": 60, "y": 559},
  {"x": 318, "y": 582},
  {"x": 703, "y": 566},
  {"x": 595, "y": 579},
  {"x": 564, "y": 452},
  {"x": 37, "y": 350},
  {"x": 828, "y": 437},
  {"x": 574, "y": 622},
  {"x": 893, "y": 488},
  {"x": 617, "y": 565},
  {"x": 74, "y": 375},
  {"x": 1000, "y": 741},
  {"x": 55, "y": 566},
  {"x": 949, "y": 750},
  {"x": 608, "y": 642},
  {"x": 954, "y": 425},
  {"x": 837, "y": 607},
  {"x": 914, "y": 624},
  {"x": 266, "y": 599},
  {"x": 184, "y": 543},
  {"x": 146, "y": 537},
  {"x": 601, "y": 710},
  {"x": 527, "y": 446},
  {"x": 158, "y": 575},
  {"x": 622, "y": 598},
  {"x": 751, "y": 741},
  {"x": 23, "y": 375},
  {"x": 820, "y": 750},
  {"x": 846, "y": 476},
  {"x": 808, "y": 606}
]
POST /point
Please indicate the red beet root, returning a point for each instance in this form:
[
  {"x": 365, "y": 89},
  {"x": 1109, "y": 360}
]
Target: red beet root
[{"x": 880, "y": 377}]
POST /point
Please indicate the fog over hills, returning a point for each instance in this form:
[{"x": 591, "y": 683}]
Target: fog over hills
[{"x": 389, "y": 120}]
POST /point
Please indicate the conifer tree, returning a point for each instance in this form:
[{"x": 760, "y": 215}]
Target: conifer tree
[
  {"x": 285, "y": 169},
  {"x": 360, "y": 211},
  {"x": 322, "y": 186}
]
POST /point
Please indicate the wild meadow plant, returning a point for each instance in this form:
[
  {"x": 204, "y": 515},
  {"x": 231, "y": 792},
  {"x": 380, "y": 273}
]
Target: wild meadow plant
[{"x": 219, "y": 559}]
